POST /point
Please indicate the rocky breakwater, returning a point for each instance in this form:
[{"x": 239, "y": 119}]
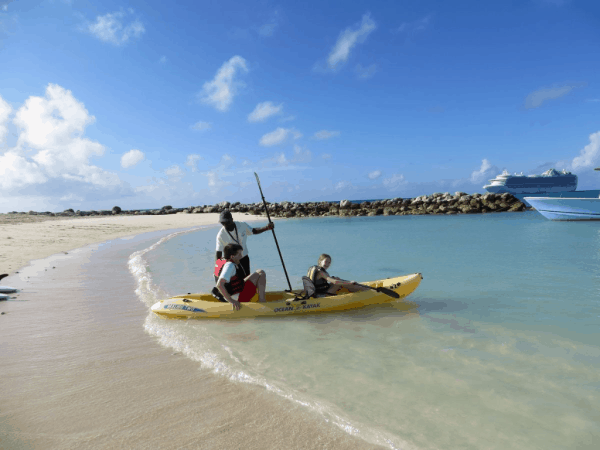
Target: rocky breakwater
[{"x": 438, "y": 203}]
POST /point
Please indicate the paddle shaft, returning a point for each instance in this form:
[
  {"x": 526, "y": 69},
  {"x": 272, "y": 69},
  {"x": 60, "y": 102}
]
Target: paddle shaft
[
  {"x": 383, "y": 290},
  {"x": 273, "y": 230}
]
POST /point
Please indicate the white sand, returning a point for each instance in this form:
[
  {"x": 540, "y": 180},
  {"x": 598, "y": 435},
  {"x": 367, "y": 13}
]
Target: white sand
[
  {"x": 26, "y": 241},
  {"x": 81, "y": 372}
]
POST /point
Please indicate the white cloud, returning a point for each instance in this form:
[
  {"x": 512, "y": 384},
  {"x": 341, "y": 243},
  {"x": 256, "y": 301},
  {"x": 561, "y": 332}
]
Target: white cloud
[
  {"x": 364, "y": 73},
  {"x": 417, "y": 25},
  {"x": 201, "y": 126},
  {"x": 5, "y": 110},
  {"x": 17, "y": 171},
  {"x": 131, "y": 158},
  {"x": 175, "y": 172},
  {"x": 112, "y": 29},
  {"x": 163, "y": 59},
  {"x": 215, "y": 183},
  {"x": 192, "y": 162},
  {"x": 287, "y": 119},
  {"x": 51, "y": 154},
  {"x": 326, "y": 156},
  {"x": 281, "y": 159},
  {"x": 375, "y": 174},
  {"x": 341, "y": 185},
  {"x": 394, "y": 182},
  {"x": 71, "y": 198},
  {"x": 539, "y": 97},
  {"x": 227, "y": 160},
  {"x": 263, "y": 111},
  {"x": 590, "y": 155},
  {"x": 278, "y": 136},
  {"x": 220, "y": 91},
  {"x": 325, "y": 134},
  {"x": 301, "y": 155},
  {"x": 268, "y": 29},
  {"x": 348, "y": 39},
  {"x": 485, "y": 172}
]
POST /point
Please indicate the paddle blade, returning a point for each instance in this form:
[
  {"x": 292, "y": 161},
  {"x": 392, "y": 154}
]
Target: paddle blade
[{"x": 387, "y": 291}]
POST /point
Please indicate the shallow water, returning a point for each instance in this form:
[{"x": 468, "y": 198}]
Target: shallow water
[{"x": 497, "y": 348}]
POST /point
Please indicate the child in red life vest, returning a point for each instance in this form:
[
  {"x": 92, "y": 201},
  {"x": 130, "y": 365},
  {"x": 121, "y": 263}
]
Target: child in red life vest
[{"x": 232, "y": 279}]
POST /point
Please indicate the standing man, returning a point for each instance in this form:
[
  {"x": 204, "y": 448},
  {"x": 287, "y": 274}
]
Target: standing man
[{"x": 237, "y": 233}]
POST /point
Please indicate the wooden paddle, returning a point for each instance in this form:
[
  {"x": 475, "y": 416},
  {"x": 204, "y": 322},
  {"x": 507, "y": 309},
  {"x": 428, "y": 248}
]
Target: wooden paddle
[{"x": 383, "y": 290}]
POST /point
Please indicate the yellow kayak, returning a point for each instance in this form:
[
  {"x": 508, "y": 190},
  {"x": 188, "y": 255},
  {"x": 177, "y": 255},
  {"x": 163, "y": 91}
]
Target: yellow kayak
[{"x": 283, "y": 303}]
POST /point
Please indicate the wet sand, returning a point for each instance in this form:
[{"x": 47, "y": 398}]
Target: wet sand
[{"x": 79, "y": 371}]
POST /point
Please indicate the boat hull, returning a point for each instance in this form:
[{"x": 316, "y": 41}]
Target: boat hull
[
  {"x": 204, "y": 306},
  {"x": 594, "y": 193},
  {"x": 555, "y": 208}
]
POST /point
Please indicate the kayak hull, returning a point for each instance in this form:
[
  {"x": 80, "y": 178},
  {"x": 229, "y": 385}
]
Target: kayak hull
[{"x": 282, "y": 303}]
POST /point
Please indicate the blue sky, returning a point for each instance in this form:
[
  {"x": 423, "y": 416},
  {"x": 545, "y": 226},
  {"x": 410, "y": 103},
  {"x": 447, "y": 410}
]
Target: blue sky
[{"x": 143, "y": 104}]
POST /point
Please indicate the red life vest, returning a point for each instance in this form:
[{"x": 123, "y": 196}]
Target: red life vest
[{"x": 236, "y": 284}]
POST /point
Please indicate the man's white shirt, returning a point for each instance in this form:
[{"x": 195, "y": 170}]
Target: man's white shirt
[{"x": 238, "y": 236}]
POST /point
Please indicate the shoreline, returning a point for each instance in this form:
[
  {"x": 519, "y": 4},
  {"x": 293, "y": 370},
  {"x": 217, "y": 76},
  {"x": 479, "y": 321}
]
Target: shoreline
[
  {"x": 98, "y": 379},
  {"x": 25, "y": 241}
]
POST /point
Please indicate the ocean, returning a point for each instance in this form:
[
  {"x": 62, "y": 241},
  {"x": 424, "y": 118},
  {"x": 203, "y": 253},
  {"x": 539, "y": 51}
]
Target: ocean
[{"x": 499, "y": 347}]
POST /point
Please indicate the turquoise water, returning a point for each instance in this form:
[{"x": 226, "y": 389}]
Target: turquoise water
[{"x": 499, "y": 347}]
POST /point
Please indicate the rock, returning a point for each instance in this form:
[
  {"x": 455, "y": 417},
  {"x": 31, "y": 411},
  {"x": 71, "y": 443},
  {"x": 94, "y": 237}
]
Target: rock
[
  {"x": 70, "y": 210},
  {"x": 345, "y": 204},
  {"x": 116, "y": 210},
  {"x": 224, "y": 204}
]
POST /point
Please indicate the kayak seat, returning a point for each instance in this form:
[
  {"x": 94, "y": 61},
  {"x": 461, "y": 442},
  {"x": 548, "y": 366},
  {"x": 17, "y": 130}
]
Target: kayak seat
[{"x": 310, "y": 291}]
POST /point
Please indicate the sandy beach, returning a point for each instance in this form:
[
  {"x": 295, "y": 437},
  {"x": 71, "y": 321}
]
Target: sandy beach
[
  {"x": 79, "y": 371},
  {"x": 25, "y": 238}
]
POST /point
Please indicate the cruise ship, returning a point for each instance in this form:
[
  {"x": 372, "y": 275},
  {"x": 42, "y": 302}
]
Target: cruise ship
[{"x": 551, "y": 183}]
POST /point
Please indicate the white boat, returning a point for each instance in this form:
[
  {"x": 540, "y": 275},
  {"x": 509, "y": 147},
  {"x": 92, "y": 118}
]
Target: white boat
[{"x": 567, "y": 208}]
